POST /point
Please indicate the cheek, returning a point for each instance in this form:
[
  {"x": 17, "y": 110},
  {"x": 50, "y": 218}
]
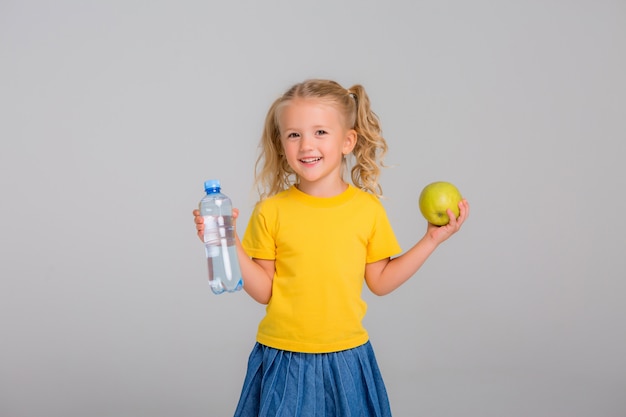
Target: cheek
[{"x": 288, "y": 148}]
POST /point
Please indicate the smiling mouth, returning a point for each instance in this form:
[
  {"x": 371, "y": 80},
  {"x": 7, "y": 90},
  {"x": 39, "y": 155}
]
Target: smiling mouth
[{"x": 310, "y": 160}]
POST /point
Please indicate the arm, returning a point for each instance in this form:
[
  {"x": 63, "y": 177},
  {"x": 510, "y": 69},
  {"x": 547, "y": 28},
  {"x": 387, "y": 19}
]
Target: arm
[
  {"x": 257, "y": 273},
  {"x": 384, "y": 276}
]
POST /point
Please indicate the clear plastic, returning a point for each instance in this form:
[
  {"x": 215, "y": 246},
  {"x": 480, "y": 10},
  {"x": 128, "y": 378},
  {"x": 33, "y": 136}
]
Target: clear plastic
[{"x": 219, "y": 240}]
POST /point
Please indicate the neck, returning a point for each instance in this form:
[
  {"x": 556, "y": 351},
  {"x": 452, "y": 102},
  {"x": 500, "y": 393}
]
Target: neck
[{"x": 322, "y": 190}]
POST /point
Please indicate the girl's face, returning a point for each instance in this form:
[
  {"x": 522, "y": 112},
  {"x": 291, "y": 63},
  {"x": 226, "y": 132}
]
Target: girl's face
[{"x": 315, "y": 138}]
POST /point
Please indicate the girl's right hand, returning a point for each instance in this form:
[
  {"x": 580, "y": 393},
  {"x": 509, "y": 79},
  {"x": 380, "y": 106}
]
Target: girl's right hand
[{"x": 199, "y": 221}]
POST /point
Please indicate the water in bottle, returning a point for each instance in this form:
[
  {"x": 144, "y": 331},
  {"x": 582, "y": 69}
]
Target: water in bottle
[{"x": 219, "y": 240}]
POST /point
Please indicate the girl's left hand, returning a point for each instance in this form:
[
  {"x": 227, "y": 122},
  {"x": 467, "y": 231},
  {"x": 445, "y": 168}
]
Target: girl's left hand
[{"x": 441, "y": 233}]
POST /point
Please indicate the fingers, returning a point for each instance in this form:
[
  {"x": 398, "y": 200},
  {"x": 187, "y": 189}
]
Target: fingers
[
  {"x": 463, "y": 210},
  {"x": 442, "y": 233},
  {"x": 456, "y": 222},
  {"x": 200, "y": 229},
  {"x": 199, "y": 222}
]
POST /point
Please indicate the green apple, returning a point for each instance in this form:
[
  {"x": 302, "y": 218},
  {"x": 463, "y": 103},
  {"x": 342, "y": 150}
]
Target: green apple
[{"x": 436, "y": 198}]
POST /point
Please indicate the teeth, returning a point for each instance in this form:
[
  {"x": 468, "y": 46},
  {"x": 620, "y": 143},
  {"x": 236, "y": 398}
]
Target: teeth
[{"x": 309, "y": 160}]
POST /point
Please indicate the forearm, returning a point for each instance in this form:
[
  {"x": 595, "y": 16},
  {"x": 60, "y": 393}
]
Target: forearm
[
  {"x": 257, "y": 282},
  {"x": 395, "y": 272}
]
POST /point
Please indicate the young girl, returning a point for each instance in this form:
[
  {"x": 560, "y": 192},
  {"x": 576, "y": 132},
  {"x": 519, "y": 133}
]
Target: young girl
[{"x": 311, "y": 242}]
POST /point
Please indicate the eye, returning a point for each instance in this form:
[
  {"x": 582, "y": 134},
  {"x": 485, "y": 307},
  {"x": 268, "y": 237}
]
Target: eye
[
  {"x": 293, "y": 135},
  {"x": 321, "y": 132}
]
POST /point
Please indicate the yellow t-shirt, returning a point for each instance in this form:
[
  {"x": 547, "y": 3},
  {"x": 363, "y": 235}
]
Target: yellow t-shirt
[{"x": 320, "y": 247}]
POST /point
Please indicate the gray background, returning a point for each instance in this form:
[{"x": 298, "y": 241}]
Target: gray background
[{"x": 114, "y": 113}]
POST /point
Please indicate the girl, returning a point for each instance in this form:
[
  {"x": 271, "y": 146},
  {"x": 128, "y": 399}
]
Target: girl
[{"x": 311, "y": 242}]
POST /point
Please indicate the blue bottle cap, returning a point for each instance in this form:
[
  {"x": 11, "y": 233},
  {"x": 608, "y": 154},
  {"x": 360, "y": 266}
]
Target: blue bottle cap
[{"x": 211, "y": 185}]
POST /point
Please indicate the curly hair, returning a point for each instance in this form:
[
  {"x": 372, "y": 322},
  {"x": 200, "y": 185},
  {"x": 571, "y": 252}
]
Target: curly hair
[{"x": 273, "y": 173}]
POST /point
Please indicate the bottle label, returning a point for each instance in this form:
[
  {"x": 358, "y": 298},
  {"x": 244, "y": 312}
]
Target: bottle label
[
  {"x": 211, "y": 231},
  {"x": 212, "y": 251}
]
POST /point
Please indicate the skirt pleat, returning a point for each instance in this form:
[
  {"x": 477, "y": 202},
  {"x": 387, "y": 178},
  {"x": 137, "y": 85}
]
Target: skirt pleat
[{"x": 291, "y": 384}]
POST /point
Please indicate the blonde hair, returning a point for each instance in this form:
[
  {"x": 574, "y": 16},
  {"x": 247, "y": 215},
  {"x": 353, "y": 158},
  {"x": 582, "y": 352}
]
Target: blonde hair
[{"x": 273, "y": 173}]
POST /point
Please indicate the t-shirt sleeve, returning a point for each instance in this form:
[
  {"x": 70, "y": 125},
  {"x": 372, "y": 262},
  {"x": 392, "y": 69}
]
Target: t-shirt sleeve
[
  {"x": 382, "y": 243},
  {"x": 258, "y": 240}
]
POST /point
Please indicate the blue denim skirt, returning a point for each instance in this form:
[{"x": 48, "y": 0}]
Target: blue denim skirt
[{"x": 279, "y": 383}]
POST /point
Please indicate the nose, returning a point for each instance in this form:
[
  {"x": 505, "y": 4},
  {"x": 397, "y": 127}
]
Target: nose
[{"x": 306, "y": 142}]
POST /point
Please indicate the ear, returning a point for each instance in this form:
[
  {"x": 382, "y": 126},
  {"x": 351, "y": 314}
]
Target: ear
[{"x": 350, "y": 141}]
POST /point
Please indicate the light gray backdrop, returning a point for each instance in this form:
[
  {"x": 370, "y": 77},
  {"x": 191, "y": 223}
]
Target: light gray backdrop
[{"x": 114, "y": 113}]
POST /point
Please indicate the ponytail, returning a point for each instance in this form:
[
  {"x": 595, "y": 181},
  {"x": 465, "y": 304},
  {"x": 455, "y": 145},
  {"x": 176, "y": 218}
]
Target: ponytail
[{"x": 370, "y": 146}]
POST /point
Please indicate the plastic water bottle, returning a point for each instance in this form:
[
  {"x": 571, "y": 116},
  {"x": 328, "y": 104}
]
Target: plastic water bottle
[{"x": 219, "y": 240}]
